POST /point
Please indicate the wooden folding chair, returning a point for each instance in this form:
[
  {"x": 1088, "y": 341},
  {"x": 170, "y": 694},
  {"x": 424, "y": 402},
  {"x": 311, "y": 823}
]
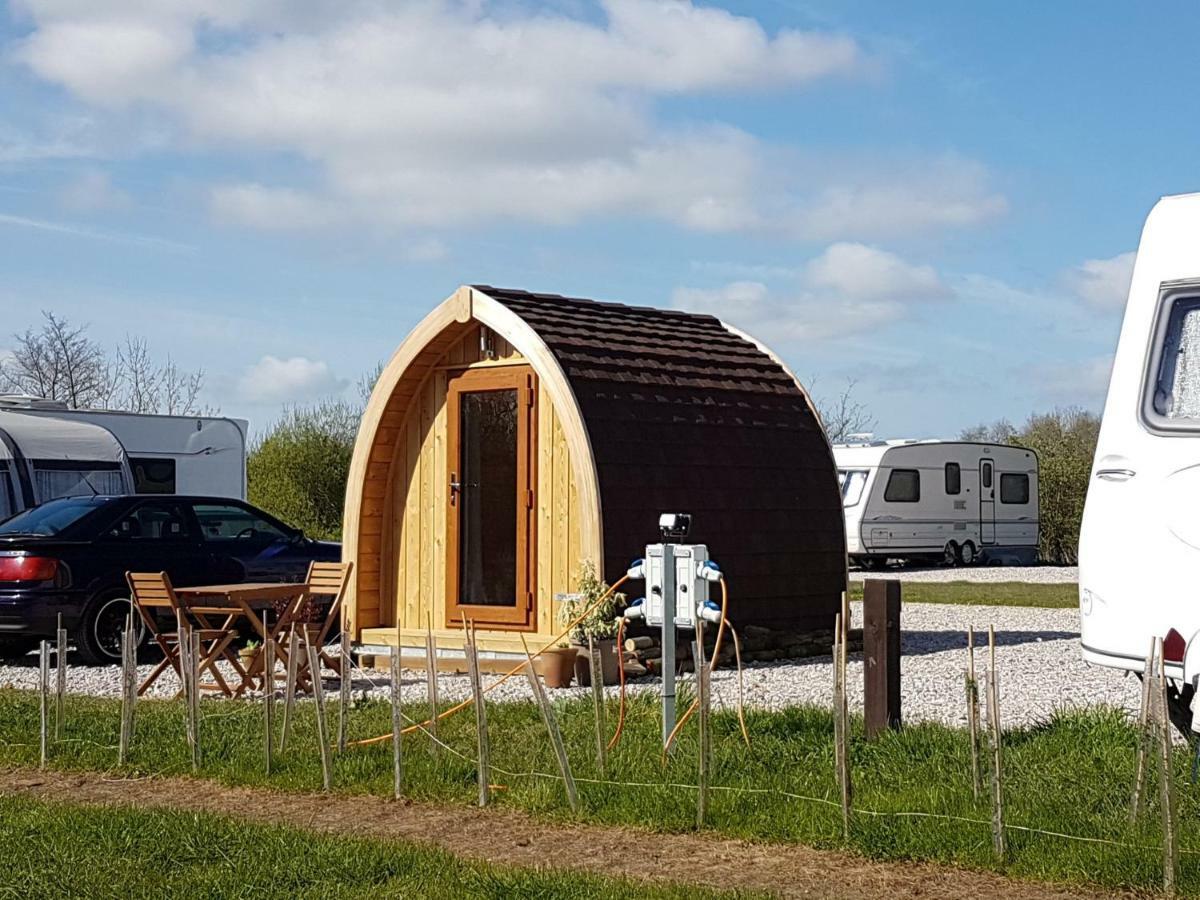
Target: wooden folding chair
[
  {"x": 152, "y": 592},
  {"x": 325, "y": 579}
]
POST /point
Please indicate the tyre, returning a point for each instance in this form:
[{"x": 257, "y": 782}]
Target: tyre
[
  {"x": 98, "y": 636},
  {"x": 967, "y": 555},
  {"x": 950, "y": 554}
]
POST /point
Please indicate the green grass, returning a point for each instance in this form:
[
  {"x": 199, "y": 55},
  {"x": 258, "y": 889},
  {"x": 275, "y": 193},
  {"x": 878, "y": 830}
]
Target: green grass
[
  {"x": 101, "y": 852},
  {"x": 1069, "y": 775},
  {"x": 1005, "y": 593}
]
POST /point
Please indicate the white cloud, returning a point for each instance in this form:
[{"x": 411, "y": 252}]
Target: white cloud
[
  {"x": 436, "y": 113},
  {"x": 92, "y": 191},
  {"x": 859, "y": 272},
  {"x": 847, "y": 289},
  {"x": 897, "y": 201},
  {"x": 1103, "y": 283},
  {"x": 293, "y": 380}
]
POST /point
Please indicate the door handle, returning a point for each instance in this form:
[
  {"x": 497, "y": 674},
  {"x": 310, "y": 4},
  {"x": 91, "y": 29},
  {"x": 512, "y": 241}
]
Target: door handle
[
  {"x": 1115, "y": 474},
  {"x": 455, "y": 487}
]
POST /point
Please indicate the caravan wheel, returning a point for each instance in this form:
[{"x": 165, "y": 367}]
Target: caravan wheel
[
  {"x": 950, "y": 554},
  {"x": 966, "y": 554}
]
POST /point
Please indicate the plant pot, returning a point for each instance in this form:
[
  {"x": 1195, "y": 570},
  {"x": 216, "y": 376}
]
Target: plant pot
[
  {"x": 610, "y": 659},
  {"x": 556, "y": 666}
]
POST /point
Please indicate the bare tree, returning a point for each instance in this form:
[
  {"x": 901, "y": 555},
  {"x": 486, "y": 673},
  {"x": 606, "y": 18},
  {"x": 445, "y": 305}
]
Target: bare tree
[
  {"x": 366, "y": 383},
  {"x": 844, "y": 415},
  {"x": 58, "y": 362},
  {"x": 180, "y": 391},
  {"x": 136, "y": 377},
  {"x": 999, "y": 432}
]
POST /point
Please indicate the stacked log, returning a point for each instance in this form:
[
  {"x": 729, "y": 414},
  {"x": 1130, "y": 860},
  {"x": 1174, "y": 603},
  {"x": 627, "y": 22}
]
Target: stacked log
[{"x": 642, "y": 653}]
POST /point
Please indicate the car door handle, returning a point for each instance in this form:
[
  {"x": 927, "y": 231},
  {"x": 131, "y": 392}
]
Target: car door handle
[{"x": 1115, "y": 474}]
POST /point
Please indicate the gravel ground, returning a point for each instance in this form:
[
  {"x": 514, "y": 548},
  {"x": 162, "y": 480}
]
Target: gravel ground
[
  {"x": 977, "y": 574},
  {"x": 1037, "y": 656}
]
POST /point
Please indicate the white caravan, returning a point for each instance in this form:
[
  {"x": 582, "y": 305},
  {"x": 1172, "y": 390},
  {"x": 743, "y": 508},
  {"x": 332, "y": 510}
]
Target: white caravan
[
  {"x": 160, "y": 454},
  {"x": 1139, "y": 550},
  {"x": 45, "y": 457},
  {"x": 956, "y": 501}
]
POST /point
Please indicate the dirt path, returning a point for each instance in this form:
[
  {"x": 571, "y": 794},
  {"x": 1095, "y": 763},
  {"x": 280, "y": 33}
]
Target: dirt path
[{"x": 513, "y": 838}]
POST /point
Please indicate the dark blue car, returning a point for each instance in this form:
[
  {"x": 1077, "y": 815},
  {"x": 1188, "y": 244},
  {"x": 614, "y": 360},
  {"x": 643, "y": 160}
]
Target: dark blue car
[{"x": 70, "y": 556}]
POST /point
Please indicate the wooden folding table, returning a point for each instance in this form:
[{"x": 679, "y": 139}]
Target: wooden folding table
[{"x": 248, "y": 598}]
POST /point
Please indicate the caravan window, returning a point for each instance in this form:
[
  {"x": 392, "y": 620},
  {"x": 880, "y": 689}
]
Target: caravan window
[
  {"x": 904, "y": 486},
  {"x": 55, "y": 478},
  {"x": 152, "y": 476},
  {"x": 953, "y": 478},
  {"x": 1014, "y": 488},
  {"x": 1175, "y": 399},
  {"x": 852, "y": 481}
]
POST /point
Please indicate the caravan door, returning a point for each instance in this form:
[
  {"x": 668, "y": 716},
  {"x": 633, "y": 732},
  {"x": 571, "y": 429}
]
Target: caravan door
[{"x": 987, "y": 502}]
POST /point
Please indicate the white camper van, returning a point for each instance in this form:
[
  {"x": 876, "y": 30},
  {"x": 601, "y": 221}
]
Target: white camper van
[
  {"x": 1139, "y": 549},
  {"x": 154, "y": 454},
  {"x": 955, "y": 501}
]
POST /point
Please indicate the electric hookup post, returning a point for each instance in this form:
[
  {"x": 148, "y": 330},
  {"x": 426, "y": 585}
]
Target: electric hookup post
[{"x": 677, "y": 577}]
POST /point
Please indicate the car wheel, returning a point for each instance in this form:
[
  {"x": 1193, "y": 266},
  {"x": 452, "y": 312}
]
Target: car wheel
[
  {"x": 950, "y": 554},
  {"x": 98, "y": 637},
  {"x": 966, "y": 554}
]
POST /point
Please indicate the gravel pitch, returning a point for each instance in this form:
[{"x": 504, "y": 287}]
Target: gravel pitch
[
  {"x": 978, "y": 574},
  {"x": 1037, "y": 656}
]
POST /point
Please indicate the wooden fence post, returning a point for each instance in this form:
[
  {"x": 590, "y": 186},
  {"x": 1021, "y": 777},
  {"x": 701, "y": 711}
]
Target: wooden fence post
[
  {"x": 344, "y": 685},
  {"x": 1144, "y": 730},
  {"x": 268, "y": 702},
  {"x": 972, "y": 686},
  {"x": 840, "y": 722},
  {"x": 128, "y": 690},
  {"x": 289, "y": 688},
  {"x": 702, "y": 725},
  {"x": 998, "y": 842},
  {"x": 881, "y": 656},
  {"x": 194, "y": 675},
  {"x": 314, "y": 667},
  {"x": 431, "y": 687},
  {"x": 397, "y": 727},
  {"x": 1166, "y": 785},
  {"x": 44, "y": 704},
  {"x": 484, "y": 769},
  {"x": 596, "y": 670},
  {"x": 551, "y": 723},
  {"x": 184, "y": 646},
  {"x": 60, "y": 677}
]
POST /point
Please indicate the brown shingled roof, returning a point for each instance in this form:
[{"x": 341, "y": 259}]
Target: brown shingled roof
[{"x": 686, "y": 416}]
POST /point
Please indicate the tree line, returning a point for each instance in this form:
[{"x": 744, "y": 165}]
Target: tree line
[{"x": 59, "y": 361}]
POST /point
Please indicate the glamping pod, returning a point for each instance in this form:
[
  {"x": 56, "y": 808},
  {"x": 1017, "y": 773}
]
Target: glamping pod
[{"x": 514, "y": 437}]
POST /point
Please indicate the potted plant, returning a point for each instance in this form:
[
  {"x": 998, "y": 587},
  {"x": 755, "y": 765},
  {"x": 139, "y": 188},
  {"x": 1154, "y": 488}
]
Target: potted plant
[
  {"x": 600, "y": 625},
  {"x": 248, "y": 651},
  {"x": 556, "y": 665}
]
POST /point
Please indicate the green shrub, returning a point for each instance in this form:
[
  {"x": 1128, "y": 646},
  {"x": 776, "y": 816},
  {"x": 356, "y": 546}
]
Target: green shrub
[{"x": 298, "y": 470}]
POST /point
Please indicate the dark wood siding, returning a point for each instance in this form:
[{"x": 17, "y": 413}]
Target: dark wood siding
[{"x": 685, "y": 416}]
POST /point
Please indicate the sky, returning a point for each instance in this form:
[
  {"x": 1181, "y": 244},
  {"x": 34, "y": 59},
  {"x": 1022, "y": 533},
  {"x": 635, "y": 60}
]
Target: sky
[{"x": 935, "y": 202}]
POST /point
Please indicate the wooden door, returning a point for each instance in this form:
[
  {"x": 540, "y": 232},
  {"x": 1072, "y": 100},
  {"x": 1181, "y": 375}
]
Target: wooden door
[{"x": 491, "y": 453}]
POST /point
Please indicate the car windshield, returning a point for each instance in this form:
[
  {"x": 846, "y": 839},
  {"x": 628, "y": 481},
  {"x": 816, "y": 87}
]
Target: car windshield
[
  {"x": 52, "y": 518},
  {"x": 852, "y": 481}
]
